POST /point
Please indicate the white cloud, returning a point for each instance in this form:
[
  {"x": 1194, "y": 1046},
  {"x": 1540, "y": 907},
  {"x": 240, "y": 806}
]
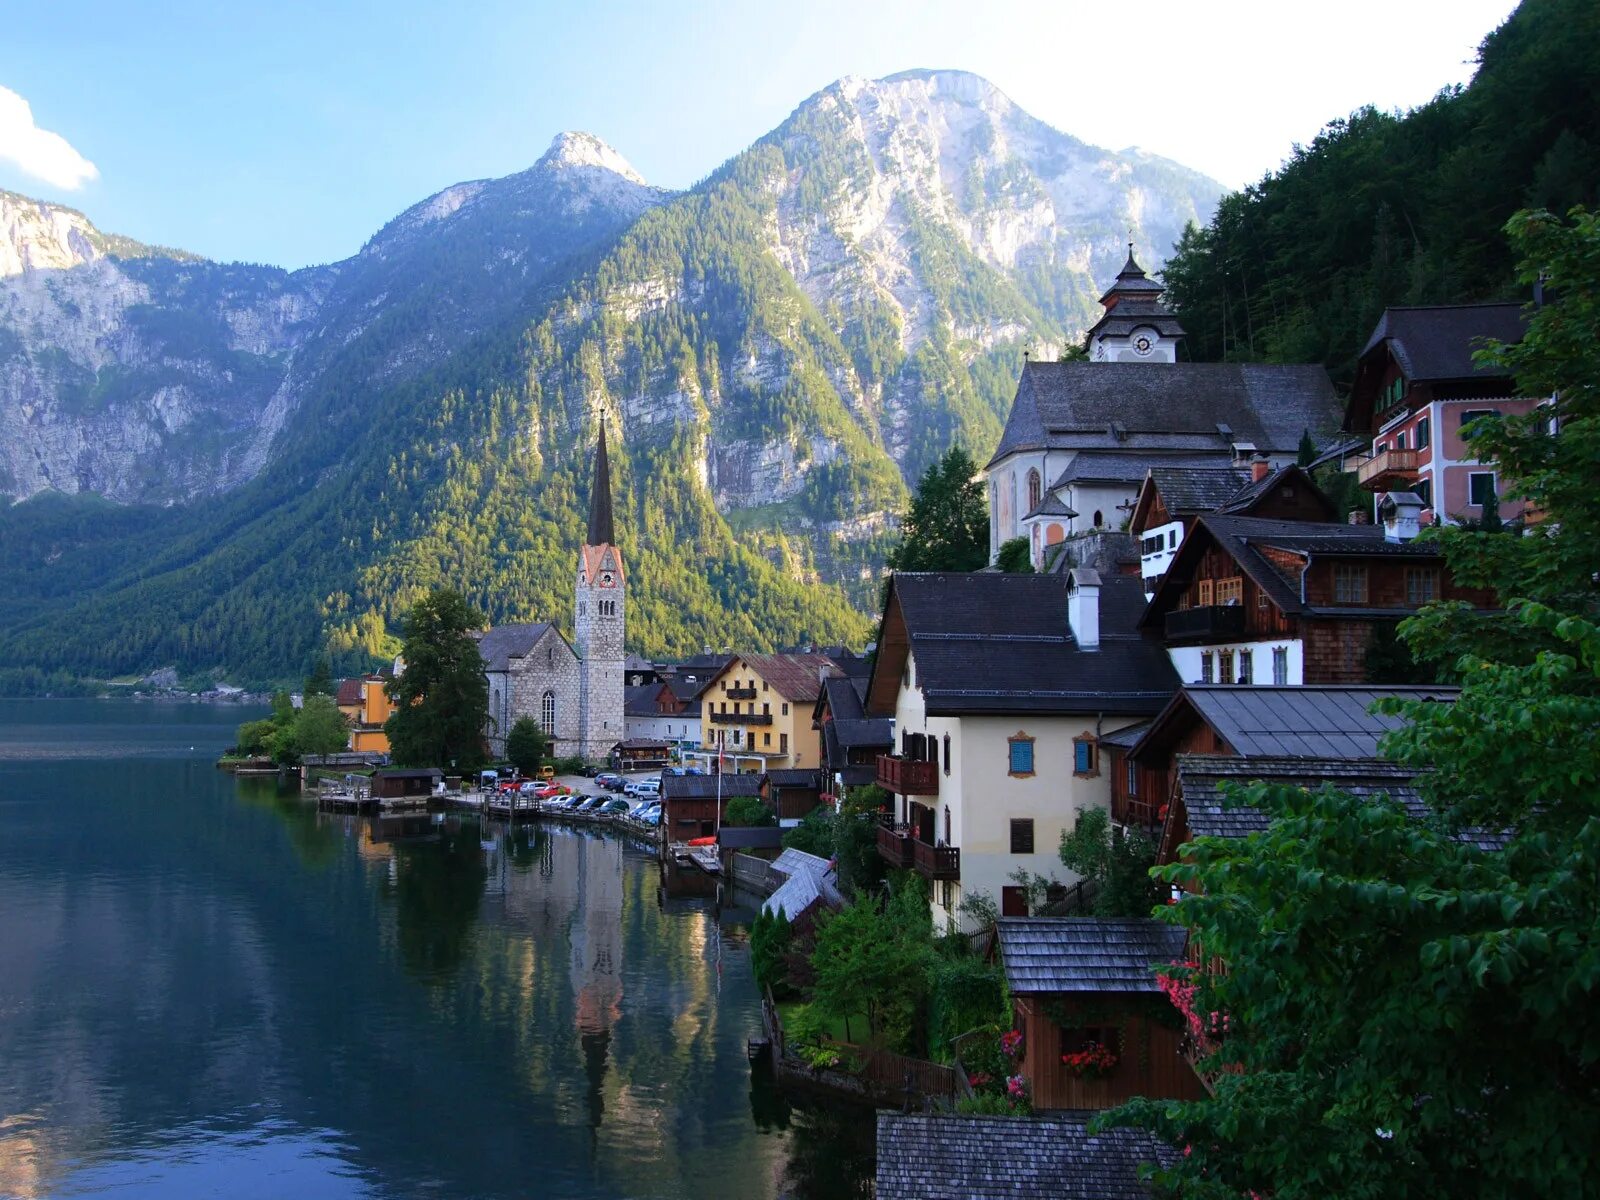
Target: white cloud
[{"x": 39, "y": 152}]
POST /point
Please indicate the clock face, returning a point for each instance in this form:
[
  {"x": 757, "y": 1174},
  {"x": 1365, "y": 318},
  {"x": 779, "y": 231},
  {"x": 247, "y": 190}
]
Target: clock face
[
  {"x": 1143, "y": 342},
  {"x": 607, "y": 580}
]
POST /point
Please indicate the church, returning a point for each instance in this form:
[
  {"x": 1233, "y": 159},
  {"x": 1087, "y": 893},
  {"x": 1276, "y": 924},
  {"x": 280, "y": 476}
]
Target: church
[
  {"x": 1082, "y": 435},
  {"x": 572, "y": 689}
]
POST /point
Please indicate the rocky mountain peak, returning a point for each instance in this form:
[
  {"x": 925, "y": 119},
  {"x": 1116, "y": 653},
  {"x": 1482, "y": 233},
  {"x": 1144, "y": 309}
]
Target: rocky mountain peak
[
  {"x": 36, "y": 235},
  {"x": 578, "y": 149}
]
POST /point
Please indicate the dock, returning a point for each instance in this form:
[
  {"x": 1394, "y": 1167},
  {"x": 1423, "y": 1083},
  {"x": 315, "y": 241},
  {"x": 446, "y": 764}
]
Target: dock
[
  {"x": 507, "y": 806},
  {"x": 704, "y": 857}
]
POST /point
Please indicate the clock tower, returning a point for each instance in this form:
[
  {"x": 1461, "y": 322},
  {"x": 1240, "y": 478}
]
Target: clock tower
[
  {"x": 601, "y": 608},
  {"x": 1136, "y": 326}
]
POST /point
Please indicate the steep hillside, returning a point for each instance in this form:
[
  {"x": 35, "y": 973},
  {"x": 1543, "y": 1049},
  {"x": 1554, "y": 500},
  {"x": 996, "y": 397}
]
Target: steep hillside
[{"x": 780, "y": 349}]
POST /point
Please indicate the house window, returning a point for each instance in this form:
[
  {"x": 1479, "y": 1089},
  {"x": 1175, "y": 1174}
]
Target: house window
[
  {"x": 1021, "y": 761},
  {"x": 1022, "y": 836},
  {"x": 1422, "y": 585},
  {"x": 1206, "y": 589},
  {"x": 547, "y": 712},
  {"x": 766, "y": 739},
  {"x": 1083, "y": 755},
  {"x": 1247, "y": 667},
  {"x": 766, "y": 709},
  {"x": 583, "y": 608},
  {"x": 1401, "y": 442},
  {"x": 1424, "y": 433},
  {"x": 1280, "y": 665},
  {"x": 1424, "y": 490},
  {"x": 1133, "y": 778},
  {"x": 947, "y": 895},
  {"x": 1205, "y": 666},
  {"x": 1469, "y": 415},
  {"x": 947, "y": 825},
  {"x": 1349, "y": 584},
  {"x": 947, "y": 754},
  {"x": 1230, "y": 591},
  {"x": 1099, "y": 519},
  {"x": 1480, "y": 487},
  {"x": 783, "y": 743},
  {"x": 1172, "y": 539},
  {"x": 1224, "y": 666},
  {"x": 763, "y": 685},
  {"x": 784, "y": 709}
]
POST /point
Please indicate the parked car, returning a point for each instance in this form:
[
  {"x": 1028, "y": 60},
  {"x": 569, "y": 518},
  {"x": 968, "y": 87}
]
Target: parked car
[
  {"x": 615, "y": 806},
  {"x": 610, "y": 780},
  {"x": 530, "y": 787},
  {"x": 648, "y": 788},
  {"x": 652, "y": 817},
  {"x": 594, "y": 804}
]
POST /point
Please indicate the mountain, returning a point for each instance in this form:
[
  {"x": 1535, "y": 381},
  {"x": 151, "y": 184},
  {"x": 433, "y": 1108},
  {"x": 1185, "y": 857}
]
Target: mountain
[{"x": 782, "y": 348}]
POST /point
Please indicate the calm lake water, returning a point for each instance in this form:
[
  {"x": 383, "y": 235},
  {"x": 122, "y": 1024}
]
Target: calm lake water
[{"x": 209, "y": 989}]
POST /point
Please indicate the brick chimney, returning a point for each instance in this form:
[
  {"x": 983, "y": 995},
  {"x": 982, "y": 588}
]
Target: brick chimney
[
  {"x": 1083, "y": 607},
  {"x": 1260, "y": 468}
]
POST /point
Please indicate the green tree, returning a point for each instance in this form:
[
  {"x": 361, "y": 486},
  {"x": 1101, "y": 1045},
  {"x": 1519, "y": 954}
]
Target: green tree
[
  {"x": 1116, "y": 863},
  {"x": 947, "y": 527},
  {"x": 855, "y": 845},
  {"x": 320, "y": 681},
  {"x": 442, "y": 696},
  {"x": 1307, "y": 453},
  {"x": 319, "y": 727},
  {"x": 527, "y": 745},
  {"x": 747, "y": 810},
  {"x": 871, "y": 959},
  {"x": 814, "y": 834},
  {"x": 255, "y": 737},
  {"x": 771, "y": 937},
  {"x": 1015, "y": 557},
  {"x": 1405, "y": 1013}
]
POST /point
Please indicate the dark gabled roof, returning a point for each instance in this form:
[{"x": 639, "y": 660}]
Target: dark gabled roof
[
  {"x": 1190, "y": 491},
  {"x": 1051, "y": 506},
  {"x": 950, "y": 1157},
  {"x": 704, "y": 787},
  {"x": 1293, "y": 722},
  {"x": 687, "y": 690},
  {"x": 844, "y": 697},
  {"x": 1125, "y": 738},
  {"x": 505, "y": 642},
  {"x": 349, "y": 691},
  {"x": 1255, "y": 490},
  {"x": 1169, "y": 408},
  {"x": 990, "y": 642},
  {"x": 1105, "y": 466},
  {"x": 1436, "y": 342},
  {"x": 641, "y": 701},
  {"x": 1242, "y": 539},
  {"x": 861, "y": 732},
  {"x": 1086, "y": 954},
  {"x": 792, "y": 777},
  {"x": 1202, "y": 777}
]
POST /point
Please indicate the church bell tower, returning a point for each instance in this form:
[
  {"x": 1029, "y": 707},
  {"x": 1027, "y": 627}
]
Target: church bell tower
[{"x": 601, "y": 608}]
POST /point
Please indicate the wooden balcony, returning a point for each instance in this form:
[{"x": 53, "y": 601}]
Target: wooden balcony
[
  {"x": 741, "y": 693},
  {"x": 728, "y": 718},
  {"x": 1388, "y": 469},
  {"x": 899, "y": 848},
  {"x": 1208, "y": 623},
  {"x": 907, "y": 777}
]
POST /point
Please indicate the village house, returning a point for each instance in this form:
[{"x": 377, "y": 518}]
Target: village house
[
  {"x": 657, "y": 712},
  {"x": 851, "y": 740},
  {"x": 791, "y": 793},
  {"x": 364, "y": 702},
  {"x": 1000, "y": 687},
  {"x": 692, "y": 806},
  {"x": 756, "y": 711},
  {"x": 1097, "y": 1028},
  {"x": 1256, "y": 601},
  {"x": 1171, "y": 499},
  {"x": 1317, "y": 724},
  {"x": 1416, "y": 388},
  {"x": 1081, "y": 436}
]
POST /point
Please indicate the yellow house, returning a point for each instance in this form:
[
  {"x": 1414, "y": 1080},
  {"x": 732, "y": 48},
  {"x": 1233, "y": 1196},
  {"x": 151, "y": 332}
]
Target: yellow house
[
  {"x": 757, "y": 712},
  {"x": 365, "y": 704}
]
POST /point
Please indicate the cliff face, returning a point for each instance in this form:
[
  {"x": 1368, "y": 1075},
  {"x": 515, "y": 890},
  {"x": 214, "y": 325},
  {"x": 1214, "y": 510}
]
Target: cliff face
[{"x": 780, "y": 350}]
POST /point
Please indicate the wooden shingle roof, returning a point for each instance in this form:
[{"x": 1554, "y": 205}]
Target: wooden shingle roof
[
  {"x": 947, "y": 1157},
  {"x": 1086, "y": 954}
]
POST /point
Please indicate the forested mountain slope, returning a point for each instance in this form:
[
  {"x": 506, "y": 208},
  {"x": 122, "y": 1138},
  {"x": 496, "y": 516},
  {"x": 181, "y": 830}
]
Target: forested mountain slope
[
  {"x": 1384, "y": 209},
  {"x": 779, "y": 350}
]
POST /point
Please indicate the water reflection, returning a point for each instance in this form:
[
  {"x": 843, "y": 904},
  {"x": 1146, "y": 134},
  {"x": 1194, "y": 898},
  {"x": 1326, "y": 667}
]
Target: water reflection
[{"x": 210, "y": 989}]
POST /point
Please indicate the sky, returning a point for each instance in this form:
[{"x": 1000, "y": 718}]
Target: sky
[{"x": 288, "y": 133}]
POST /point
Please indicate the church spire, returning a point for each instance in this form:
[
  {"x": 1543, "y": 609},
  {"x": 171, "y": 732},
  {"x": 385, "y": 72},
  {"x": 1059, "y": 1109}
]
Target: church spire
[{"x": 601, "y": 531}]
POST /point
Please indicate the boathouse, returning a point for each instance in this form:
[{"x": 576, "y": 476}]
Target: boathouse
[{"x": 393, "y": 783}]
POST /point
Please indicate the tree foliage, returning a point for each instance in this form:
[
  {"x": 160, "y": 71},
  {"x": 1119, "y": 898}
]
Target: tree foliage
[
  {"x": 442, "y": 696},
  {"x": 319, "y": 727},
  {"x": 1015, "y": 557},
  {"x": 526, "y": 745},
  {"x": 747, "y": 810},
  {"x": 1403, "y": 1012},
  {"x": 1115, "y": 862},
  {"x": 947, "y": 527},
  {"x": 871, "y": 958}
]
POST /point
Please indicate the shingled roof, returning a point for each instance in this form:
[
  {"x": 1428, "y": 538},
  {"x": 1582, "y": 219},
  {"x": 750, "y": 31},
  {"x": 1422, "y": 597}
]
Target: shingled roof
[
  {"x": 1436, "y": 342},
  {"x": 1190, "y": 491},
  {"x": 990, "y": 642},
  {"x": 946, "y": 1157},
  {"x": 706, "y": 787},
  {"x": 1086, "y": 954},
  {"x": 795, "y": 677},
  {"x": 505, "y": 642},
  {"x": 1170, "y": 408},
  {"x": 1308, "y": 721},
  {"x": 1202, "y": 777}
]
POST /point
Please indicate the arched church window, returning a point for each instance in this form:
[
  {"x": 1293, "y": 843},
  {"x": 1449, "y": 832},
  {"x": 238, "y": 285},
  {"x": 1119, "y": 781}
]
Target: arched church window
[
  {"x": 547, "y": 712},
  {"x": 1033, "y": 490},
  {"x": 1099, "y": 518}
]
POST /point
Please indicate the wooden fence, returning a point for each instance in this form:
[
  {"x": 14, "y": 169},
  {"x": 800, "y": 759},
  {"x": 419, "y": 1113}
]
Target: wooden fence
[{"x": 756, "y": 874}]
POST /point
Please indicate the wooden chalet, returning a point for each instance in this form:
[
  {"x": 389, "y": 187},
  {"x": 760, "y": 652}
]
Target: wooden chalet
[
  {"x": 851, "y": 740},
  {"x": 393, "y": 783},
  {"x": 791, "y": 793},
  {"x": 1083, "y": 982},
  {"x": 689, "y": 802}
]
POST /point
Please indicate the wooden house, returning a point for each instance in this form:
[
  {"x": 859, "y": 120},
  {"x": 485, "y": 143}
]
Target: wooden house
[
  {"x": 689, "y": 807},
  {"x": 1087, "y": 986},
  {"x": 393, "y": 783},
  {"x": 790, "y": 794},
  {"x": 851, "y": 740}
]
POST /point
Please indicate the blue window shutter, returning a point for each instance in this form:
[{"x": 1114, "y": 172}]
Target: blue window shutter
[
  {"x": 1081, "y": 758},
  {"x": 1021, "y": 758}
]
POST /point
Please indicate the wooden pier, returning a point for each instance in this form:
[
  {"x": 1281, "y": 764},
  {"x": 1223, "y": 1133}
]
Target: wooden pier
[
  {"x": 704, "y": 857},
  {"x": 507, "y": 806}
]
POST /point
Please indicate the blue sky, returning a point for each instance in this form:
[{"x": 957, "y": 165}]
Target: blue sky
[{"x": 288, "y": 133}]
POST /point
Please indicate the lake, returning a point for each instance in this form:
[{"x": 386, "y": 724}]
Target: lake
[{"x": 207, "y": 988}]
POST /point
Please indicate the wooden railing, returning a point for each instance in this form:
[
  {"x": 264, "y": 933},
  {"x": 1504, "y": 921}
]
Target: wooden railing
[
  {"x": 936, "y": 862},
  {"x": 908, "y": 777},
  {"x": 722, "y": 718},
  {"x": 894, "y": 845},
  {"x": 741, "y": 693},
  {"x": 1384, "y": 463},
  {"x": 1133, "y": 810},
  {"x": 1207, "y": 621}
]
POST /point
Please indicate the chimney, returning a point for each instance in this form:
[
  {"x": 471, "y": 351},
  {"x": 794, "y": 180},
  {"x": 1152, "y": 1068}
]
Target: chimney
[
  {"x": 1260, "y": 468},
  {"x": 1083, "y": 607},
  {"x": 1402, "y": 516}
]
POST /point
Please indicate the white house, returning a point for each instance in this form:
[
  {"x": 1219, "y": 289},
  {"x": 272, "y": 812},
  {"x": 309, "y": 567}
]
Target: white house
[{"x": 1000, "y": 686}]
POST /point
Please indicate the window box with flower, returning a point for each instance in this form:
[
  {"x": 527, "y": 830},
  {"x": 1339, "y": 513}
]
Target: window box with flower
[{"x": 1094, "y": 1061}]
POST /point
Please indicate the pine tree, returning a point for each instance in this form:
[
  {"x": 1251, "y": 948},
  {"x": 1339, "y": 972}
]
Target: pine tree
[
  {"x": 442, "y": 695},
  {"x": 947, "y": 528}
]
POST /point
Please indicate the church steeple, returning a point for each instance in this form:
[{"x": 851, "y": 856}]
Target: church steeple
[
  {"x": 601, "y": 529},
  {"x": 1136, "y": 326}
]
